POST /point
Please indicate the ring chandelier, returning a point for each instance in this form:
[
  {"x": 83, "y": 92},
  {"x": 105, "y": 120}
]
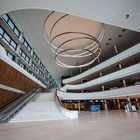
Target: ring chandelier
[{"x": 72, "y": 39}]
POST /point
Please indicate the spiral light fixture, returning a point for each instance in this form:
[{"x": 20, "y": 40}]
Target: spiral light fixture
[{"x": 74, "y": 41}]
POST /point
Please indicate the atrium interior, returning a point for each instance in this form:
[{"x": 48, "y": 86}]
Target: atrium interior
[{"x": 67, "y": 69}]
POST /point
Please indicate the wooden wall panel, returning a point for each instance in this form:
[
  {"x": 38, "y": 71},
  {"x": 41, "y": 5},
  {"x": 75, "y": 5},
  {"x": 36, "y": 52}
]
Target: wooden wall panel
[
  {"x": 7, "y": 96},
  {"x": 15, "y": 79}
]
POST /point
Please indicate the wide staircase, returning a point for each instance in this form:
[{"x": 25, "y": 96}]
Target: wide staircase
[{"x": 43, "y": 108}]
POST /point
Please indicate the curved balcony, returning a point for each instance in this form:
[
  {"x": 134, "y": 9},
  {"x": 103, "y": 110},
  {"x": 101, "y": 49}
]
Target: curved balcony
[
  {"x": 114, "y": 60},
  {"x": 115, "y": 93},
  {"x": 68, "y": 113},
  {"x": 126, "y": 72}
]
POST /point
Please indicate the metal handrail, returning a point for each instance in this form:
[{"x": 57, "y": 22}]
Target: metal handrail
[
  {"x": 4, "y": 105},
  {"x": 10, "y": 105},
  {"x": 10, "y": 110}
]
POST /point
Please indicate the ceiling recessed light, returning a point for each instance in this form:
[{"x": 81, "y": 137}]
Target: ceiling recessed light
[
  {"x": 126, "y": 16},
  {"x": 119, "y": 35},
  {"x": 123, "y": 30}
]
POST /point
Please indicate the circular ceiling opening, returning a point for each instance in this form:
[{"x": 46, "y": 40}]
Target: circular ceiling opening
[{"x": 73, "y": 37}]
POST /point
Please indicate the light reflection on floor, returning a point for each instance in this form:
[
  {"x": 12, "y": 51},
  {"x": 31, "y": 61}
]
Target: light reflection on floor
[{"x": 104, "y": 125}]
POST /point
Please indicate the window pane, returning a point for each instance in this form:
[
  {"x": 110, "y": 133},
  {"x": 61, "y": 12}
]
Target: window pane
[
  {"x": 1, "y": 31},
  {"x": 23, "y": 54},
  {"x": 20, "y": 51},
  {"x": 22, "y": 40},
  {"x": 5, "y": 17},
  {"x": 29, "y": 48},
  {"x": 10, "y": 23},
  {"x": 27, "y": 59},
  {"x": 25, "y": 43},
  {"x": 37, "y": 60},
  {"x": 13, "y": 44},
  {"x": 6, "y": 36},
  {"x": 17, "y": 32},
  {"x": 33, "y": 55}
]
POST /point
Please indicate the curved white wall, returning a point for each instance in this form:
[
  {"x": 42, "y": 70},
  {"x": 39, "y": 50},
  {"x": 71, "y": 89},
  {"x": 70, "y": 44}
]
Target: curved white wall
[
  {"x": 66, "y": 112},
  {"x": 122, "y": 56},
  {"x": 120, "y": 92}
]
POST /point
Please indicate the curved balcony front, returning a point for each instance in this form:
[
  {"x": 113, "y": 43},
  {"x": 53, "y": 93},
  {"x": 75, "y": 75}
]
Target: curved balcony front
[
  {"x": 115, "y": 93},
  {"x": 104, "y": 65},
  {"x": 124, "y": 73}
]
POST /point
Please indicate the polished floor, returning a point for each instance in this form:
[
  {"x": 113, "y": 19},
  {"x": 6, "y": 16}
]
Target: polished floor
[{"x": 111, "y": 125}]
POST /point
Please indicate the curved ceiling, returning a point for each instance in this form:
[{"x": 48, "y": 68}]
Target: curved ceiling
[
  {"x": 124, "y": 13},
  {"x": 31, "y": 23}
]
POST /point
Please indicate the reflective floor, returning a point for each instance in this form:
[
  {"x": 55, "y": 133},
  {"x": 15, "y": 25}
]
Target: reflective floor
[{"x": 111, "y": 125}]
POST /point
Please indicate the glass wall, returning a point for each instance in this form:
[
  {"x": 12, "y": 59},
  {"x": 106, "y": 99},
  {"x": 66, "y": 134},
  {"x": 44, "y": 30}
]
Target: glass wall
[
  {"x": 11, "y": 24},
  {"x": 28, "y": 59},
  {"x": 24, "y": 56},
  {"x": 26, "y": 44},
  {"x": 7, "y": 39}
]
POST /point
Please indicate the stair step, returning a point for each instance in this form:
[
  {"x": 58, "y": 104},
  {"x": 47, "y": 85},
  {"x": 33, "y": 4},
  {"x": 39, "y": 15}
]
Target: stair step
[{"x": 44, "y": 108}]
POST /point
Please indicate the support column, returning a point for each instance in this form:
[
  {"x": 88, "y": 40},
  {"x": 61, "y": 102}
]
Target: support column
[
  {"x": 129, "y": 104},
  {"x": 124, "y": 83},
  {"x": 30, "y": 63},
  {"x": 120, "y": 65},
  {"x": 119, "y": 106},
  {"x": 115, "y": 48},
  {"x": 105, "y": 105},
  {"x": 18, "y": 48},
  {"x": 137, "y": 103},
  {"x": 103, "y": 87},
  {"x": 79, "y": 107},
  {"x": 21, "y": 36},
  {"x": 81, "y": 80},
  {"x": 17, "y": 51}
]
